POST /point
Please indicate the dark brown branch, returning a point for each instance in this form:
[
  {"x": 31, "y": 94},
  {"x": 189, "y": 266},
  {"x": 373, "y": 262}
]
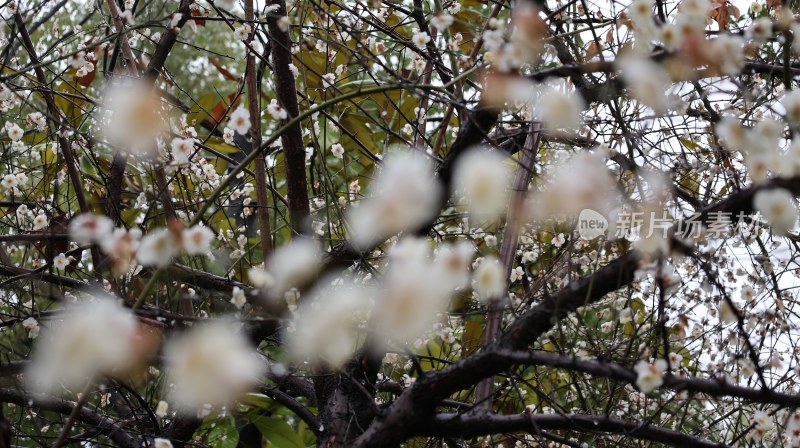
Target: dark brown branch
[
  {"x": 462, "y": 425},
  {"x": 253, "y": 98},
  {"x": 292, "y": 139},
  {"x": 104, "y": 425},
  {"x": 600, "y": 369}
]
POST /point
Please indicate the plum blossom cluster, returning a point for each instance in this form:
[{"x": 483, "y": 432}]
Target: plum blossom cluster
[
  {"x": 395, "y": 311},
  {"x": 127, "y": 247},
  {"x": 209, "y": 366}
]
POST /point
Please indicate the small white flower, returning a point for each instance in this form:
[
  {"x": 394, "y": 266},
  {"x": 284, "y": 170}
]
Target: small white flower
[
  {"x": 260, "y": 278},
  {"x": 162, "y": 408},
  {"x": 405, "y": 195},
  {"x": 240, "y": 120},
  {"x": 489, "y": 279},
  {"x": 182, "y": 149},
  {"x": 10, "y": 181},
  {"x": 647, "y": 82},
  {"x": 490, "y": 240},
  {"x": 211, "y": 365},
  {"x": 283, "y": 23},
  {"x": 481, "y": 178},
  {"x": 162, "y": 443},
  {"x": 748, "y": 293},
  {"x": 337, "y": 150},
  {"x": 441, "y": 20},
  {"x": 276, "y": 111},
  {"x": 727, "y": 315},
  {"x": 324, "y": 331},
  {"x": 517, "y": 274},
  {"x": 675, "y": 361},
  {"x": 61, "y": 261},
  {"x": 32, "y": 325},
  {"x": 227, "y": 135},
  {"x": 88, "y": 339},
  {"x": 760, "y": 30},
  {"x": 197, "y": 240},
  {"x": 89, "y": 228},
  {"x": 778, "y": 208},
  {"x": 157, "y": 248},
  {"x": 560, "y": 109},
  {"x": 328, "y": 80},
  {"x": 420, "y": 39},
  {"x": 650, "y": 376},
  {"x": 14, "y": 132},
  {"x": 238, "y": 297},
  {"x": 40, "y": 222},
  {"x": 293, "y": 264},
  {"x": 791, "y": 102},
  {"x": 452, "y": 263},
  {"x": 241, "y": 31}
]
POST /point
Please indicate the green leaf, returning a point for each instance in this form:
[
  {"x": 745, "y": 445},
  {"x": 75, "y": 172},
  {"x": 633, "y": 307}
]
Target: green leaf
[
  {"x": 129, "y": 215},
  {"x": 219, "y": 144},
  {"x": 220, "y": 433},
  {"x": 279, "y": 433}
]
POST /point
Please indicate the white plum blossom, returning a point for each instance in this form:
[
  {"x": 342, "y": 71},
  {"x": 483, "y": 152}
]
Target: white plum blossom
[
  {"x": 197, "y": 240},
  {"x": 481, "y": 179},
  {"x": 328, "y": 80},
  {"x": 412, "y": 293},
  {"x": 337, "y": 150},
  {"x": 420, "y": 38},
  {"x": 240, "y": 120},
  {"x": 238, "y": 297},
  {"x": 441, "y": 20},
  {"x": 647, "y": 82},
  {"x": 559, "y": 108},
  {"x": 791, "y": 102},
  {"x": 211, "y": 364},
  {"x": 162, "y": 408},
  {"x": 14, "y": 132},
  {"x": 40, "y": 222},
  {"x": 283, "y": 23},
  {"x": 241, "y": 31},
  {"x": 777, "y": 207},
  {"x": 405, "y": 195},
  {"x": 276, "y": 111},
  {"x": 61, "y": 261},
  {"x": 182, "y": 149},
  {"x": 133, "y": 117},
  {"x": 122, "y": 247},
  {"x": 85, "y": 340},
  {"x": 10, "y": 182},
  {"x": 162, "y": 443},
  {"x": 727, "y": 314},
  {"x": 157, "y": 248},
  {"x": 760, "y": 30},
  {"x": 324, "y": 330},
  {"x": 32, "y": 326},
  {"x": 489, "y": 279},
  {"x": 259, "y": 277},
  {"x": 292, "y": 265},
  {"x": 517, "y": 274},
  {"x": 452, "y": 264},
  {"x": 650, "y": 376},
  {"x": 227, "y": 135}
]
